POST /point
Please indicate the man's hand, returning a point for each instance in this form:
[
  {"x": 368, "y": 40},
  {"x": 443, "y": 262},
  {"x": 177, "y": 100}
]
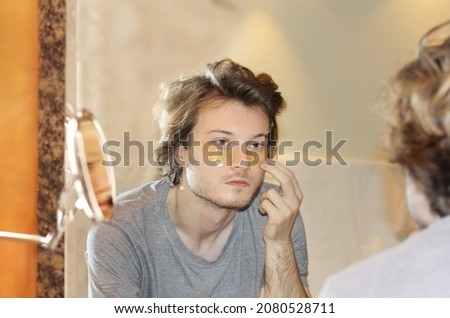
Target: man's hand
[
  {"x": 281, "y": 273},
  {"x": 281, "y": 207}
]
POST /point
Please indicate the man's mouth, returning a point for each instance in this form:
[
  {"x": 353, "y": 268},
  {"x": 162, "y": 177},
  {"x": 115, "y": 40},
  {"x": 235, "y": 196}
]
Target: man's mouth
[{"x": 241, "y": 183}]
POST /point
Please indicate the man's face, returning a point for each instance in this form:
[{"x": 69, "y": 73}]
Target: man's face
[{"x": 223, "y": 160}]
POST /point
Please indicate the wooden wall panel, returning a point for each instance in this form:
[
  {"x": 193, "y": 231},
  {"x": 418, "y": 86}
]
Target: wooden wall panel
[{"x": 19, "y": 52}]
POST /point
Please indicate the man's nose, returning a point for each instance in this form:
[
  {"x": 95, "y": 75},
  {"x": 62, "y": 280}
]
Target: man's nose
[{"x": 240, "y": 157}]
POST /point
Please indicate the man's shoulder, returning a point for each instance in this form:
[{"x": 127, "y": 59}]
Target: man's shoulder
[
  {"x": 361, "y": 279},
  {"x": 132, "y": 211},
  {"x": 141, "y": 197},
  {"x": 393, "y": 267}
]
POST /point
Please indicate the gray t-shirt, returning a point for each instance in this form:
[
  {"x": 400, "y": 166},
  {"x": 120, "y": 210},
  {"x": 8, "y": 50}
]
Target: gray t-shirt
[
  {"x": 418, "y": 267},
  {"x": 139, "y": 253}
]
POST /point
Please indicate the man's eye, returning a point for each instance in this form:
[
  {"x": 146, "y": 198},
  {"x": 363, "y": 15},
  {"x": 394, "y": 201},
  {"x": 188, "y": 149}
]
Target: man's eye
[
  {"x": 256, "y": 145},
  {"x": 220, "y": 143}
]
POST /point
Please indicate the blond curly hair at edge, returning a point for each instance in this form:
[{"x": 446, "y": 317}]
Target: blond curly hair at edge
[{"x": 417, "y": 109}]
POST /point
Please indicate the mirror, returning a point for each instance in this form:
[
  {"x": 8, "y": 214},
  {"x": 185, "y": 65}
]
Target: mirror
[
  {"x": 89, "y": 184},
  {"x": 99, "y": 186}
]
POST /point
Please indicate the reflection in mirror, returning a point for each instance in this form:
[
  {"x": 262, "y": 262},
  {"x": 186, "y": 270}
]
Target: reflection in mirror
[
  {"x": 99, "y": 185},
  {"x": 89, "y": 185}
]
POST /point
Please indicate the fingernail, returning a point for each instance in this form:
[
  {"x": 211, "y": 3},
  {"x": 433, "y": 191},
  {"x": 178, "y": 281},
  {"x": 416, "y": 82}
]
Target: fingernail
[{"x": 271, "y": 162}]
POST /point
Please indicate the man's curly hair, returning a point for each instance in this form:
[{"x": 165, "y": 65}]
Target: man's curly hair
[{"x": 418, "y": 116}]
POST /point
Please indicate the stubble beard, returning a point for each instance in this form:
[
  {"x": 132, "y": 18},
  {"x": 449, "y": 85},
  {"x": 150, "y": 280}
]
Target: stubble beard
[{"x": 209, "y": 197}]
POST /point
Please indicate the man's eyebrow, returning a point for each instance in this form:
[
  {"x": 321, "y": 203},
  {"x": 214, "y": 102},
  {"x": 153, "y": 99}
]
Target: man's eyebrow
[
  {"x": 220, "y": 131},
  {"x": 226, "y": 132},
  {"x": 265, "y": 135}
]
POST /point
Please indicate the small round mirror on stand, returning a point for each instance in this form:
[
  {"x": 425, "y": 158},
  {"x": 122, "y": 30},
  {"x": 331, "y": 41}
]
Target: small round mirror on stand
[
  {"x": 97, "y": 178},
  {"x": 89, "y": 183}
]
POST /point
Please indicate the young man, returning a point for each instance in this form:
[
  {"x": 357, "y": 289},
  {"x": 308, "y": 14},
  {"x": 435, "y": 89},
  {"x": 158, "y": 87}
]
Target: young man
[
  {"x": 418, "y": 112},
  {"x": 211, "y": 227}
]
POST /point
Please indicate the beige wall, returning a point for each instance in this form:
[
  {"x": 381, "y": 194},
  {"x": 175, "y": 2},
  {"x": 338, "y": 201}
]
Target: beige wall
[
  {"x": 330, "y": 58},
  {"x": 19, "y": 54}
]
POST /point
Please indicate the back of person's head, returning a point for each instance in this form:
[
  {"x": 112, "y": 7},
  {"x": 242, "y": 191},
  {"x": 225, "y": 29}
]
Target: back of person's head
[
  {"x": 181, "y": 100},
  {"x": 418, "y": 113}
]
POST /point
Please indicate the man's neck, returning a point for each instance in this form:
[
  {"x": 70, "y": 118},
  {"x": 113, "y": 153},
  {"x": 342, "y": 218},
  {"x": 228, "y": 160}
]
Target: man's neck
[{"x": 203, "y": 227}]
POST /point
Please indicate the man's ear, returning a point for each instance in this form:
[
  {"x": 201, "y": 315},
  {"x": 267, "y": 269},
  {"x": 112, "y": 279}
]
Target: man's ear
[{"x": 180, "y": 155}]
